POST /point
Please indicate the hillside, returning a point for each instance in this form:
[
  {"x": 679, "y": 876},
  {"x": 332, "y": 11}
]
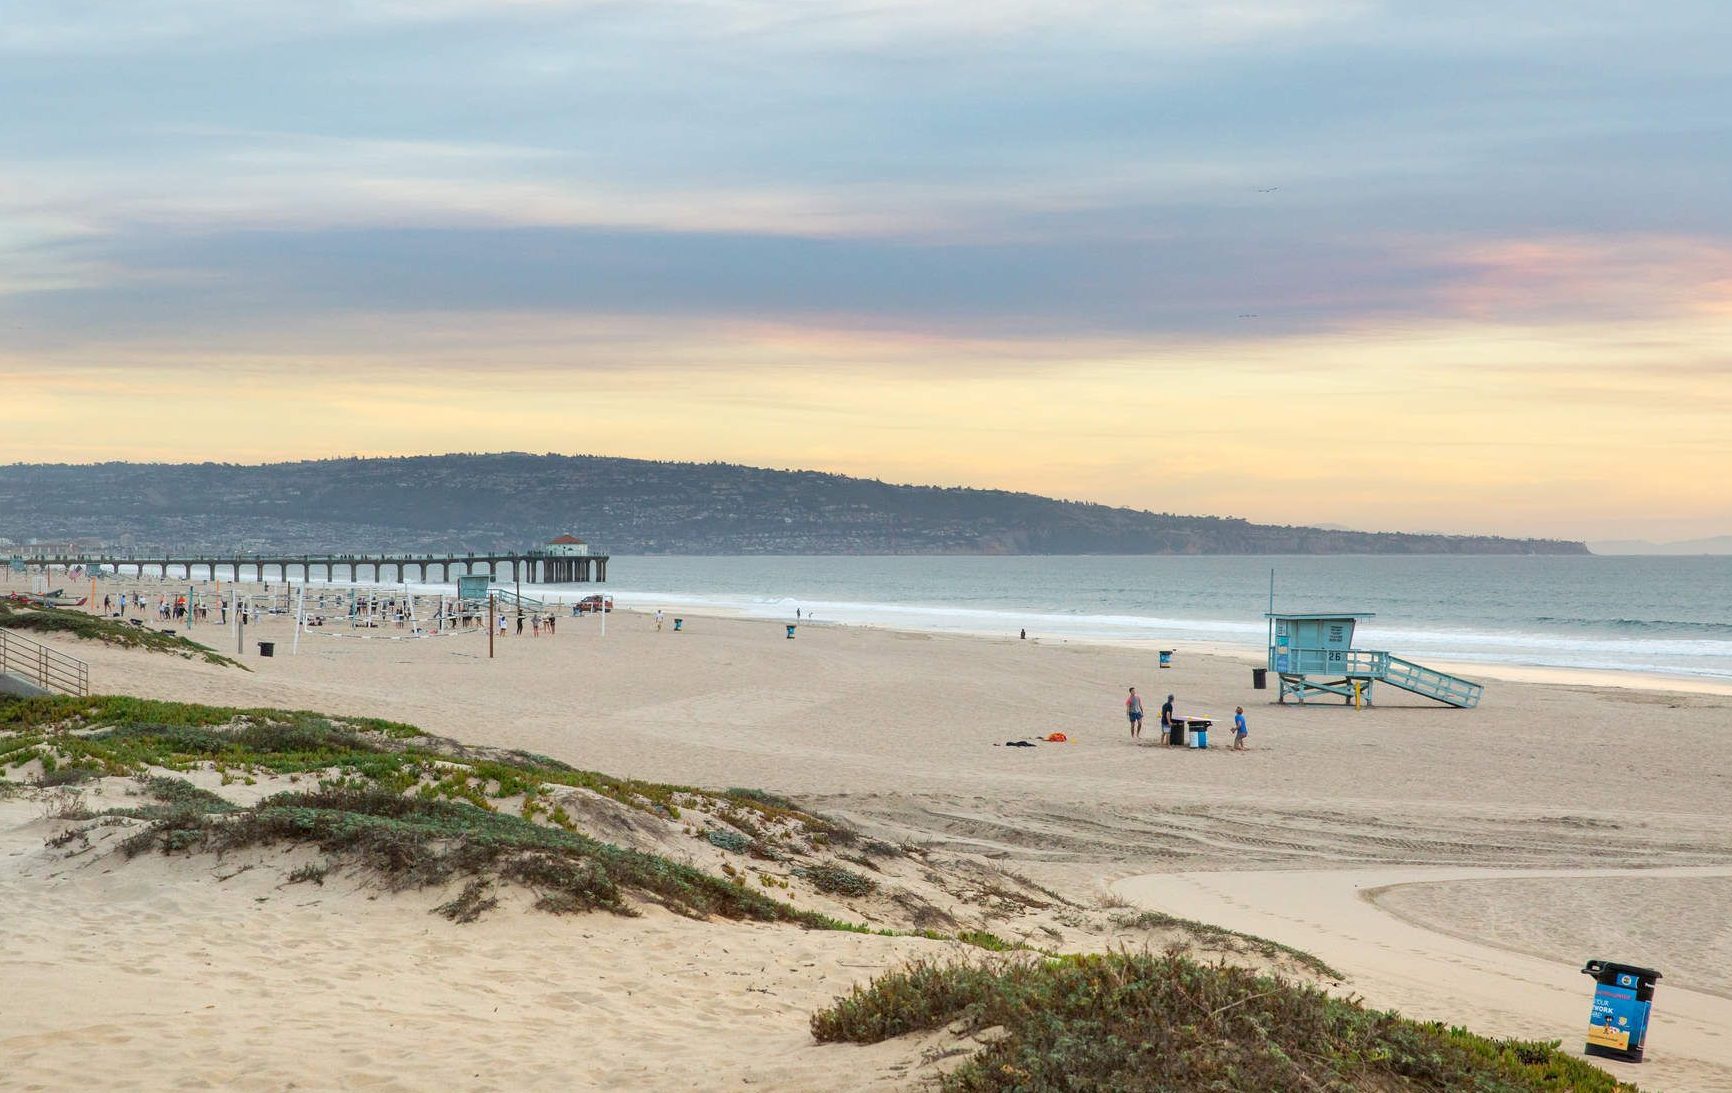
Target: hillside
[{"x": 624, "y": 506}]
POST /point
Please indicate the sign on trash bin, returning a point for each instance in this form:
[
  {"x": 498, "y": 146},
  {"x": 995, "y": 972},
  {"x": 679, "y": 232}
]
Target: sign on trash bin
[{"x": 1623, "y": 999}]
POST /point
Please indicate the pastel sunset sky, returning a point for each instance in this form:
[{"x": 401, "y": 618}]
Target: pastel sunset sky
[{"x": 1459, "y": 266}]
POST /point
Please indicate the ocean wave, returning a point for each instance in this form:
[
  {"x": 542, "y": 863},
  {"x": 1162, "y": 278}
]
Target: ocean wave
[
  {"x": 1685, "y": 625},
  {"x": 1684, "y": 657}
]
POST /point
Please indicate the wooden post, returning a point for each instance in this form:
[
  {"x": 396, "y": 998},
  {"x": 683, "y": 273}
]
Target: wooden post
[{"x": 490, "y": 626}]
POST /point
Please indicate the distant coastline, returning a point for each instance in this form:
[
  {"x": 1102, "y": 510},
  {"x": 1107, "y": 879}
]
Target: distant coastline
[{"x": 626, "y": 506}]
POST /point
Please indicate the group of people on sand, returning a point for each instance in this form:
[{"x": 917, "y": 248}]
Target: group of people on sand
[
  {"x": 1134, "y": 711},
  {"x": 539, "y": 624}
]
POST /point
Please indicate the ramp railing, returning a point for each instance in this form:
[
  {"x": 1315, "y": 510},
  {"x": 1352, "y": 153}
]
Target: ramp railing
[
  {"x": 47, "y": 668},
  {"x": 507, "y": 598},
  {"x": 1432, "y": 683}
]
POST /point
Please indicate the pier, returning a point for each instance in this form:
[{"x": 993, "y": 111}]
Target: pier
[{"x": 549, "y": 566}]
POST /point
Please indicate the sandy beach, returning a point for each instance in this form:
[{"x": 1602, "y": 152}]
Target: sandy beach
[{"x": 1419, "y": 849}]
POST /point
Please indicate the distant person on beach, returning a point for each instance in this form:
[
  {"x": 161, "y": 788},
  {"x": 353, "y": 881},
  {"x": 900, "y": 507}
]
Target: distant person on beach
[
  {"x": 1025, "y": 634},
  {"x": 1134, "y": 711},
  {"x": 1167, "y": 720},
  {"x": 796, "y": 614},
  {"x": 658, "y": 618},
  {"x": 1239, "y": 729}
]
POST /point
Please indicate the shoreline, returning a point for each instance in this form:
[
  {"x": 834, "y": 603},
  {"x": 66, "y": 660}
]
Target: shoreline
[{"x": 1252, "y": 658}]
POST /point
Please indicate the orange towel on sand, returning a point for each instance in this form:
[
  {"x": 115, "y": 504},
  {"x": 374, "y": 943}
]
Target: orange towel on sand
[{"x": 1057, "y": 738}]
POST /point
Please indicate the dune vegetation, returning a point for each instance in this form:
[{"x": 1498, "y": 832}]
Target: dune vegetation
[
  {"x": 1161, "y": 1022},
  {"x": 58, "y": 621}
]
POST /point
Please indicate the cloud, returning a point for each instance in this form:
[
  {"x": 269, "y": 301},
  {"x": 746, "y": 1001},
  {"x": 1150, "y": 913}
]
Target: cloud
[
  {"x": 104, "y": 25},
  {"x": 1548, "y": 278}
]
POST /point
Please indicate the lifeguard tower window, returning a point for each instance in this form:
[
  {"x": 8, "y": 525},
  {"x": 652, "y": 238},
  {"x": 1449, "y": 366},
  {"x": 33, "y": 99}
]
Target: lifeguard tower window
[{"x": 1314, "y": 657}]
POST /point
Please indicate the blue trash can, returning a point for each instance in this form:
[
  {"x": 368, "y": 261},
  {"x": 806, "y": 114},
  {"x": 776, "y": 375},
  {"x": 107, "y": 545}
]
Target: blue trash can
[
  {"x": 1166, "y": 658},
  {"x": 790, "y": 631},
  {"x": 1623, "y": 999},
  {"x": 679, "y": 624}
]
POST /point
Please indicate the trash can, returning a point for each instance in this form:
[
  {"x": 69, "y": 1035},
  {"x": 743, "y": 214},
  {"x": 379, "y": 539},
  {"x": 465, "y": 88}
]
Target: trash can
[
  {"x": 1623, "y": 996},
  {"x": 1259, "y": 679},
  {"x": 790, "y": 631},
  {"x": 679, "y": 624},
  {"x": 1166, "y": 658},
  {"x": 267, "y": 648},
  {"x": 1176, "y": 733}
]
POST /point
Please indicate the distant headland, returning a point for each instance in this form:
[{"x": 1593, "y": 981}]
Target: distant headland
[{"x": 629, "y": 506}]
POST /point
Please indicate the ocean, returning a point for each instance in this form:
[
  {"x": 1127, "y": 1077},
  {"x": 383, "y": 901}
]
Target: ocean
[{"x": 1665, "y": 615}]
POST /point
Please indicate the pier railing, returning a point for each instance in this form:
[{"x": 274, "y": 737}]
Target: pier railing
[{"x": 47, "y": 668}]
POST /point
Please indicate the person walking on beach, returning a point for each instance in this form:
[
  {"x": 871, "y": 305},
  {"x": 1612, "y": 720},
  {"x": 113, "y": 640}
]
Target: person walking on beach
[
  {"x": 658, "y": 618},
  {"x": 1134, "y": 711},
  {"x": 1239, "y": 729},
  {"x": 1167, "y": 720}
]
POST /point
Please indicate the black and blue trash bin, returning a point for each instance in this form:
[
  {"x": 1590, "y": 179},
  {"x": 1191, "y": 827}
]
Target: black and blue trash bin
[{"x": 1623, "y": 999}]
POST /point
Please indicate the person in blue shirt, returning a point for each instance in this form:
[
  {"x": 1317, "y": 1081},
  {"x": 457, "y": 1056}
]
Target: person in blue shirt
[{"x": 1239, "y": 729}]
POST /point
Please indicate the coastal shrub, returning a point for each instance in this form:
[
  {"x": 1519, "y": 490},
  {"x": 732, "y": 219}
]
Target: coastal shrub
[
  {"x": 470, "y": 904},
  {"x": 760, "y": 797},
  {"x": 1143, "y": 1022},
  {"x": 732, "y": 841},
  {"x": 54, "y": 775},
  {"x": 986, "y": 939},
  {"x": 314, "y": 872},
  {"x": 837, "y": 881}
]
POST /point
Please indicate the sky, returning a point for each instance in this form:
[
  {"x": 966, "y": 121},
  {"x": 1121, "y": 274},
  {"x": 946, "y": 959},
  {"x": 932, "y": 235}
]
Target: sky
[{"x": 1440, "y": 267}]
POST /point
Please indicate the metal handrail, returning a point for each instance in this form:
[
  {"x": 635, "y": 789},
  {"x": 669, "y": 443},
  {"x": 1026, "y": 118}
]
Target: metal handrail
[{"x": 37, "y": 663}]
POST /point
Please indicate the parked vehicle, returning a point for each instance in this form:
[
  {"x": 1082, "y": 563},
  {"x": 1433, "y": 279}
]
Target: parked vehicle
[{"x": 590, "y": 604}]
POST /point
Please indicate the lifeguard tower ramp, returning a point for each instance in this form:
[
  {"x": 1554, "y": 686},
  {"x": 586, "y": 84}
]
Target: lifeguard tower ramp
[{"x": 1314, "y": 658}]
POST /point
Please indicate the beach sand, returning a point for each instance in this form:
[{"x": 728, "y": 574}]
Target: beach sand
[{"x": 901, "y": 734}]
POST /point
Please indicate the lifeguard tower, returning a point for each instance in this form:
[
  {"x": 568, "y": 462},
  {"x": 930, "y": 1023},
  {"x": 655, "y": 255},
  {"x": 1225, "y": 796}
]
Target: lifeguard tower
[{"x": 1313, "y": 656}]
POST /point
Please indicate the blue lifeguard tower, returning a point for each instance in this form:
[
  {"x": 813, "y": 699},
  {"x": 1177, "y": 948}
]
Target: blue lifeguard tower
[{"x": 1314, "y": 657}]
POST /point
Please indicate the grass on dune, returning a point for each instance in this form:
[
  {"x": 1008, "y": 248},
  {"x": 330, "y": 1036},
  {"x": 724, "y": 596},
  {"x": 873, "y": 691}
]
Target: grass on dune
[
  {"x": 1221, "y": 939},
  {"x": 1142, "y": 1023},
  {"x": 410, "y": 808},
  {"x": 56, "y": 620}
]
